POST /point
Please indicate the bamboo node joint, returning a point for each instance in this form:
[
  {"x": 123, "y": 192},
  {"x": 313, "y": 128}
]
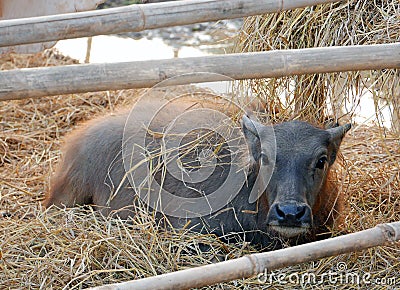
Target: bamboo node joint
[
  {"x": 390, "y": 232},
  {"x": 255, "y": 263},
  {"x": 143, "y": 16}
]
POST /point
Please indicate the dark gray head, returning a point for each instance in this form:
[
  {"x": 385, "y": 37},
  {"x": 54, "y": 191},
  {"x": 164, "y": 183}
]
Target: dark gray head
[{"x": 304, "y": 155}]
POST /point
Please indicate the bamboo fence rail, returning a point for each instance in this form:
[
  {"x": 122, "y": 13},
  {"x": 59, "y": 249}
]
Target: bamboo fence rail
[
  {"x": 136, "y": 18},
  {"x": 254, "y": 264},
  {"x": 36, "y": 82}
]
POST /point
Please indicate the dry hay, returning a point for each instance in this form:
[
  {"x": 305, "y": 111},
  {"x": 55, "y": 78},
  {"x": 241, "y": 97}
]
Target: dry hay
[
  {"x": 372, "y": 182},
  {"x": 339, "y": 24},
  {"x": 78, "y": 248}
]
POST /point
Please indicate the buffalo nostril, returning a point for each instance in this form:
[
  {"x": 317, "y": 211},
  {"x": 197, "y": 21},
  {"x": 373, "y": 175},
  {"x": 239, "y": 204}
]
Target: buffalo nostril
[
  {"x": 280, "y": 213},
  {"x": 291, "y": 214},
  {"x": 301, "y": 212}
]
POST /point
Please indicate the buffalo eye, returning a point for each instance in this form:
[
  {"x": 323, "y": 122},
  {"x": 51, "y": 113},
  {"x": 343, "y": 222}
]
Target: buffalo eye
[{"x": 321, "y": 162}]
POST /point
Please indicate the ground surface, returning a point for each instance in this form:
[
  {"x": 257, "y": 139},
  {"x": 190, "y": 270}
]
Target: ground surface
[{"x": 75, "y": 248}]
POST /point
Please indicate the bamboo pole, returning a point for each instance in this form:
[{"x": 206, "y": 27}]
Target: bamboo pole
[
  {"x": 37, "y": 82},
  {"x": 254, "y": 264},
  {"x": 137, "y": 18},
  {"x": 88, "y": 49}
]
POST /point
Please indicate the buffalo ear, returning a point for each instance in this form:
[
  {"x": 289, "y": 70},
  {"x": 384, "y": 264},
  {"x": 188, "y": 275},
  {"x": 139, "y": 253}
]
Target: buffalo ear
[
  {"x": 335, "y": 139},
  {"x": 251, "y": 130}
]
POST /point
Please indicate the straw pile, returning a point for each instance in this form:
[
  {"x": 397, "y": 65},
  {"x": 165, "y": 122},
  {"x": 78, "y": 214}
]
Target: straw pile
[
  {"x": 79, "y": 248},
  {"x": 371, "y": 180},
  {"x": 339, "y": 24}
]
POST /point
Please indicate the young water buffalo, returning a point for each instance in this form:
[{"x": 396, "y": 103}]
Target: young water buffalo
[{"x": 298, "y": 202}]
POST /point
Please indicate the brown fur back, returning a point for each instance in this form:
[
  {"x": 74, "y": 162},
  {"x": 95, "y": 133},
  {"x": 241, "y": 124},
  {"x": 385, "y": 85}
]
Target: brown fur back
[{"x": 73, "y": 185}]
